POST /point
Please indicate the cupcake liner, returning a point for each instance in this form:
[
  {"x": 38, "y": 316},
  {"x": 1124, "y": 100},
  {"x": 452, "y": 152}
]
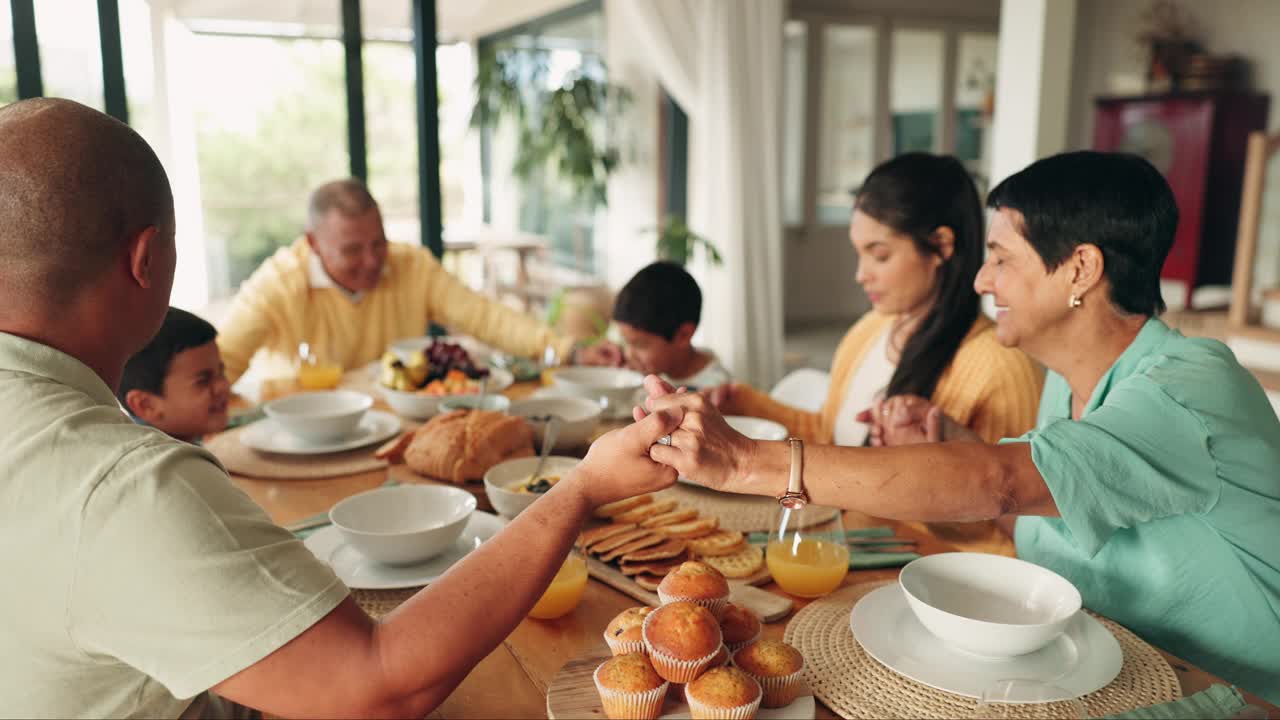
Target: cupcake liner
[
  {"x": 728, "y": 657},
  {"x": 674, "y": 669},
  {"x": 622, "y": 647},
  {"x": 780, "y": 691},
  {"x": 715, "y": 605},
  {"x": 621, "y": 705},
  {"x": 699, "y": 711},
  {"x": 735, "y": 647}
]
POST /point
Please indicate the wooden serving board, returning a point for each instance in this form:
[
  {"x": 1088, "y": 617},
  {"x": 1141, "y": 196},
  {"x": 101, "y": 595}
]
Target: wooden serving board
[
  {"x": 768, "y": 606},
  {"x": 572, "y": 694}
]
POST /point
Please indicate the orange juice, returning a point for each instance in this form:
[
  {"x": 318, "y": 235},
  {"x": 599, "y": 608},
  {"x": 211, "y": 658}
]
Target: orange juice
[
  {"x": 565, "y": 591},
  {"x": 319, "y": 376},
  {"x": 809, "y": 568}
]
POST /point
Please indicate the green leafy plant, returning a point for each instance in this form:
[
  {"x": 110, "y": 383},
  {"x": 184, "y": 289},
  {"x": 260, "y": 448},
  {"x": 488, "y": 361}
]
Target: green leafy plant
[
  {"x": 563, "y": 128},
  {"x": 676, "y": 242}
]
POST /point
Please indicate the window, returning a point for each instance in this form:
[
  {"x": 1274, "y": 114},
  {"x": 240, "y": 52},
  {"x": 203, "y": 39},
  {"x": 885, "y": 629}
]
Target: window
[
  {"x": 8, "y": 69},
  {"x": 264, "y": 140},
  {"x": 915, "y": 96},
  {"x": 846, "y": 143},
  {"x": 795, "y": 49},
  {"x": 547, "y": 54},
  {"x": 70, "y": 50}
]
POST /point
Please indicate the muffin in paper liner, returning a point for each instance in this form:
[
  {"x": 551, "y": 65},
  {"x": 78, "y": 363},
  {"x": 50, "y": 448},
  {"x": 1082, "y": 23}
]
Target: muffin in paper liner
[
  {"x": 622, "y": 647},
  {"x": 674, "y": 669},
  {"x": 701, "y": 711},
  {"x": 620, "y": 705},
  {"x": 735, "y": 647},
  {"x": 715, "y": 605},
  {"x": 780, "y": 691}
]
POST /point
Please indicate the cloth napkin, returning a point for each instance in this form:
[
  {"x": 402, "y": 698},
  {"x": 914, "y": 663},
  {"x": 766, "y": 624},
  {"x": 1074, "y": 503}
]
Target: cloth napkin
[
  {"x": 760, "y": 538},
  {"x": 1219, "y": 702},
  {"x": 862, "y": 560}
]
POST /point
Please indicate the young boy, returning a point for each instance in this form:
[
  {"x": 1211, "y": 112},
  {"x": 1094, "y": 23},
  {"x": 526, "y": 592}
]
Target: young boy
[
  {"x": 657, "y": 312},
  {"x": 176, "y": 383}
]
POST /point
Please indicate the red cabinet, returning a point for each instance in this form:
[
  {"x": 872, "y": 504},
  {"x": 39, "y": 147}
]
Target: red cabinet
[{"x": 1198, "y": 141}]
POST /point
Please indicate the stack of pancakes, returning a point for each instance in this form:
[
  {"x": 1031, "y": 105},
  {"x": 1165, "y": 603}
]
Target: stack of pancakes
[{"x": 648, "y": 537}]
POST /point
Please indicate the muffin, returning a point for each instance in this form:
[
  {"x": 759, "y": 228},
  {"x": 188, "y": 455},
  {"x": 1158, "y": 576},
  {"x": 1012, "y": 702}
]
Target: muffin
[
  {"x": 777, "y": 667},
  {"x": 629, "y": 687},
  {"x": 625, "y": 633},
  {"x": 697, "y": 583},
  {"x": 723, "y": 693},
  {"x": 739, "y": 626},
  {"x": 681, "y": 639}
]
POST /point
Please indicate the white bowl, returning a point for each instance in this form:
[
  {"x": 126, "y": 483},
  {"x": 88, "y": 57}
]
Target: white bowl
[
  {"x": 579, "y": 418},
  {"x": 424, "y": 407},
  {"x": 492, "y": 403},
  {"x": 403, "y": 524},
  {"x": 500, "y": 478},
  {"x": 756, "y": 428},
  {"x": 612, "y": 387},
  {"x": 989, "y": 605},
  {"x": 319, "y": 417}
]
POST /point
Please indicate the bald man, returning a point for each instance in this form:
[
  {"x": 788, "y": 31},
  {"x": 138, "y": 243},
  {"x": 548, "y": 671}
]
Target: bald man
[
  {"x": 137, "y": 577},
  {"x": 345, "y": 290}
]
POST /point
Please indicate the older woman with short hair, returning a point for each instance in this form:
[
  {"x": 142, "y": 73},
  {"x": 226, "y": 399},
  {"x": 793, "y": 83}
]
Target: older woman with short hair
[{"x": 1152, "y": 478}]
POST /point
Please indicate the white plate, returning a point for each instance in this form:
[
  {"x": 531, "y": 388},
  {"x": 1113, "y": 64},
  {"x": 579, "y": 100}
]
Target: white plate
[
  {"x": 358, "y": 571},
  {"x": 754, "y": 428},
  {"x": 802, "y": 709},
  {"x": 267, "y": 436},
  {"x": 1083, "y": 659}
]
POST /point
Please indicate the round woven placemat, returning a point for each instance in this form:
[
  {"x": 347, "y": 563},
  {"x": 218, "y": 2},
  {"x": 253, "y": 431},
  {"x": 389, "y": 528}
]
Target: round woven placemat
[
  {"x": 854, "y": 685},
  {"x": 378, "y": 603},
  {"x": 240, "y": 459},
  {"x": 744, "y": 513}
]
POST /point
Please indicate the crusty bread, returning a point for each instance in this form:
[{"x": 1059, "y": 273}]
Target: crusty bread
[{"x": 462, "y": 445}]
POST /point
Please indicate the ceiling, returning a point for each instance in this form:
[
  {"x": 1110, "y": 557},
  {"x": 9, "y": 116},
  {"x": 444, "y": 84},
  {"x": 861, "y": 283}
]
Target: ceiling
[{"x": 381, "y": 19}]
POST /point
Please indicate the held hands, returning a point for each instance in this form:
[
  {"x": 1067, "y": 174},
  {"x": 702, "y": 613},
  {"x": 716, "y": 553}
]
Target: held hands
[
  {"x": 910, "y": 419},
  {"x": 618, "y": 464},
  {"x": 703, "y": 448}
]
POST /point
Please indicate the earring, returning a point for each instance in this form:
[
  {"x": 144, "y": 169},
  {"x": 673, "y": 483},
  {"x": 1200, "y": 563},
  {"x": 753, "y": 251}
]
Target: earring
[{"x": 1075, "y": 301}]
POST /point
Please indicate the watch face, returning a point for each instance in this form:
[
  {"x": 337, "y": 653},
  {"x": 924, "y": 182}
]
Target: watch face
[
  {"x": 793, "y": 502},
  {"x": 1151, "y": 140}
]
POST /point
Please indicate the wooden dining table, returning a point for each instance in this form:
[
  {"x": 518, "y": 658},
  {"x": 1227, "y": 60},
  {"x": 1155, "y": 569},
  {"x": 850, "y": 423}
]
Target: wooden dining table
[{"x": 512, "y": 681}]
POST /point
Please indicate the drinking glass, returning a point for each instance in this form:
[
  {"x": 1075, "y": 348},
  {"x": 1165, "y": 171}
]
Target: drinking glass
[
  {"x": 565, "y": 591},
  {"x": 807, "y": 553},
  {"x": 316, "y": 371},
  {"x": 1028, "y": 699}
]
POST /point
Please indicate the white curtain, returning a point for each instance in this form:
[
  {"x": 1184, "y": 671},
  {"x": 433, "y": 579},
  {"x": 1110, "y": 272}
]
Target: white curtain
[{"x": 722, "y": 62}]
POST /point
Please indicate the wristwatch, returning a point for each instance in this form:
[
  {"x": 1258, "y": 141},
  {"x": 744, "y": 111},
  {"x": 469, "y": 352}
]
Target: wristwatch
[{"x": 795, "y": 497}]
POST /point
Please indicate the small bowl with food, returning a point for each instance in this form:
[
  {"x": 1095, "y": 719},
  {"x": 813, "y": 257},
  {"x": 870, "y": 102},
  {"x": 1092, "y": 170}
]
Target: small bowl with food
[
  {"x": 579, "y": 419},
  {"x": 511, "y": 486}
]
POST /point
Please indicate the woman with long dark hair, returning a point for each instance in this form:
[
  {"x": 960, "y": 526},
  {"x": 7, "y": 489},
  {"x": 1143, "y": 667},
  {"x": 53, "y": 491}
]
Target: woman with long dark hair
[{"x": 917, "y": 227}]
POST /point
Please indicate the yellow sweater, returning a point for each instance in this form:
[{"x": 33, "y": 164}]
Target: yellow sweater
[
  {"x": 277, "y": 308},
  {"x": 991, "y": 389}
]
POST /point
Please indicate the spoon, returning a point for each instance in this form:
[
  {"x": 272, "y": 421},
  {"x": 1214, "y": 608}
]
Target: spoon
[{"x": 548, "y": 441}]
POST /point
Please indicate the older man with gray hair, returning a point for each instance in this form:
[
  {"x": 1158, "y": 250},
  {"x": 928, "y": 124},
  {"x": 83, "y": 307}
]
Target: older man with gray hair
[{"x": 137, "y": 577}]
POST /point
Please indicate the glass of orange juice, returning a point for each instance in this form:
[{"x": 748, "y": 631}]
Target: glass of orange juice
[
  {"x": 565, "y": 591},
  {"x": 807, "y": 553},
  {"x": 315, "y": 370}
]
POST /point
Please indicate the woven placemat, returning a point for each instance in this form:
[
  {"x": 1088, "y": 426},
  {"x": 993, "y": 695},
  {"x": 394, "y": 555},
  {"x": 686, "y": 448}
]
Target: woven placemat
[
  {"x": 744, "y": 513},
  {"x": 854, "y": 685},
  {"x": 378, "y": 603},
  {"x": 240, "y": 459}
]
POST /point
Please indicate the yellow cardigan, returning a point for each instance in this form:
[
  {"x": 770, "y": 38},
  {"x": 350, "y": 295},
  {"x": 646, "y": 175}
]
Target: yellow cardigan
[
  {"x": 276, "y": 308},
  {"x": 991, "y": 389}
]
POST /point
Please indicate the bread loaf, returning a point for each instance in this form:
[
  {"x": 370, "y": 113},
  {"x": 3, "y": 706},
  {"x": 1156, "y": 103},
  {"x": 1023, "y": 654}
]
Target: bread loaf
[{"x": 462, "y": 445}]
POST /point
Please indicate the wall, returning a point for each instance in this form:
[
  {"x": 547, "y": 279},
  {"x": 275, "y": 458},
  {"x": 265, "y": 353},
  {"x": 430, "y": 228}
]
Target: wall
[{"x": 1109, "y": 60}]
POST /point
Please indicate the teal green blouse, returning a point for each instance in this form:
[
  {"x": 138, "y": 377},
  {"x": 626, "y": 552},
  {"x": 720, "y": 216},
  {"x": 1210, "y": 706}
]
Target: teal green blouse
[{"x": 1169, "y": 492}]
